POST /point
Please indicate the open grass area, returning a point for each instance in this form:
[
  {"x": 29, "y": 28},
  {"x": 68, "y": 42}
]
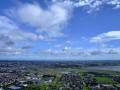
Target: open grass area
[{"x": 105, "y": 80}]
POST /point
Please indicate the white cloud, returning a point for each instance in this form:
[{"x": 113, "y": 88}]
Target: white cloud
[
  {"x": 6, "y": 25},
  {"x": 58, "y": 46},
  {"x": 68, "y": 51},
  {"x": 11, "y": 34},
  {"x": 88, "y": 52},
  {"x": 41, "y": 37},
  {"x": 11, "y": 51},
  {"x": 52, "y": 19},
  {"x": 12, "y": 31},
  {"x": 105, "y": 51},
  {"x": 49, "y": 21},
  {"x": 19, "y": 35},
  {"x": 5, "y": 41},
  {"x": 66, "y": 48},
  {"x": 115, "y": 3},
  {"x": 91, "y": 5},
  {"x": 106, "y": 37},
  {"x": 68, "y": 42}
]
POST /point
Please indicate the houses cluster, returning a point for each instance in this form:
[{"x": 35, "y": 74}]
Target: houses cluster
[
  {"x": 105, "y": 87},
  {"x": 7, "y": 78},
  {"x": 37, "y": 79},
  {"x": 92, "y": 83},
  {"x": 17, "y": 77},
  {"x": 71, "y": 81},
  {"x": 30, "y": 79}
]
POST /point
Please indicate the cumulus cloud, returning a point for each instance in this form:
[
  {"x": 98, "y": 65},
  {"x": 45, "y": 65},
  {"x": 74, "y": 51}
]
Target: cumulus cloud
[
  {"x": 49, "y": 21},
  {"x": 67, "y": 51},
  {"x": 5, "y": 41},
  {"x": 91, "y": 5},
  {"x": 115, "y": 3},
  {"x": 11, "y": 51},
  {"x": 10, "y": 30},
  {"x": 106, "y": 37},
  {"x": 19, "y": 35},
  {"x": 105, "y": 51},
  {"x": 66, "y": 48},
  {"x": 10, "y": 34}
]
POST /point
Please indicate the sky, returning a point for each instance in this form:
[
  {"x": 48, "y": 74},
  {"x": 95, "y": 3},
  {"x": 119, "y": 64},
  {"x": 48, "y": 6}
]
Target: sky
[{"x": 59, "y": 29}]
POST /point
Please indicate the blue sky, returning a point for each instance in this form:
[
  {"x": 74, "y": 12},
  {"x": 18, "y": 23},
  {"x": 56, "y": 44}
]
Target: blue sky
[{"x": 60, "y": 29}]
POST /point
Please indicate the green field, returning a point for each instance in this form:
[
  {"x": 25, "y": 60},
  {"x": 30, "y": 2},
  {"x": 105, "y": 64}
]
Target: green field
[{"x": 105, "y": 80}]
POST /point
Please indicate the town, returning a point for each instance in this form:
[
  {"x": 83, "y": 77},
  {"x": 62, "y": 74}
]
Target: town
[{"x": 21, "y": 75}]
